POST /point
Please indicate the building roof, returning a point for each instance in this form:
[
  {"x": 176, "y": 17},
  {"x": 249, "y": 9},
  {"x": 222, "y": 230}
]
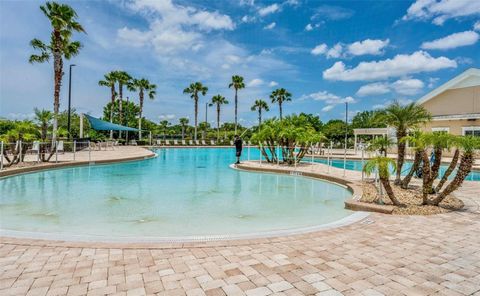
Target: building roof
[{"x": 470, "y": 77}]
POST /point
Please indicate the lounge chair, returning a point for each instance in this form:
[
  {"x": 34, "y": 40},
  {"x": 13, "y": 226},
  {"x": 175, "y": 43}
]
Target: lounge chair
[
  {"x": 203, "y": 143},
  {"x": 159, "y": 142},
  {"x": 167, "y": 142},
  {"x": 184, "y": 143},
  {"x": 60, "y": 147},
  {"x": 190, "y": 142},
  {"x": 175, "y": 142},
  {"x": 133, "y": 142},
  {"x": 35, "y": 147},
  {"x": 231, "y": 143},
  {"x": 212, "y": 142},
  {"x": 197, "y": 142}
]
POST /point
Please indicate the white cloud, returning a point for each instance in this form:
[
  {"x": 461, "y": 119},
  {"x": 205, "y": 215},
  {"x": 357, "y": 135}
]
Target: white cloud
[
  {"x": 331, "y": 100},
  {"x": 406, "y": 86},
  {"x": 432, "y": 81},
  {"x": 248, "y": 19},
  {"x": 452, "y": 41},
  {"x": 373, "y": 89},
  {"x": 385, "y": 104},
  {"x": 331, "y": 12},
  {"x": 358, "y": 48},
  {"x": 166, "y": 116},
  {"x": 441, "y": 11},
  {"x": 319, "y": 49},
  {"x": 269, "y": 9},
  {"x": 273, "y": 83},
  {"x": 308, "y": 27},
  {"x": 255, "y": 82},
  {"x": 367, "y": 46},
  {"x": 476, "y": 26},
  {"x": 270, "y": 26},
  {"x": 400, "y": 65}
]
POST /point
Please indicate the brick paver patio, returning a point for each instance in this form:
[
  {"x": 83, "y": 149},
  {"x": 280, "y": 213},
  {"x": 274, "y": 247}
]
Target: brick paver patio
[{"x": 380, "y": 255}]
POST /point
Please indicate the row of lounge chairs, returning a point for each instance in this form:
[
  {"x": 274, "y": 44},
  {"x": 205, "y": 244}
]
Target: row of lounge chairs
[{"x": 185, "y": 143}]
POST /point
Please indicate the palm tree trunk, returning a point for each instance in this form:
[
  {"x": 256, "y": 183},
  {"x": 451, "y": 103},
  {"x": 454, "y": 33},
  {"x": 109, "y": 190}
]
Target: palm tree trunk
[
  {"x": 259, "y": 117},
  {"x": 183, "y": 132},
  {"x": 280, "y": 107},
  {"x": 464, "y": 169},
  {"x": 449, "y": 170},
  {"x": 401, "y": 155},
  {"x": 425, "y": 177},
  {"x": 58, "y": 72},
  {"x": 140, "y": 118},
  {"x": 120, "y": 107},
  {"x": 218, "y": 122},
  {"x": 196, "y": 115},
  {"x": 435, "y": 168},
  {"x": 236, "y": 108},
  {"x": 416, "y": 163},
  {"x": 388, "y": 188},
  {"x": 112, "y": 90}
]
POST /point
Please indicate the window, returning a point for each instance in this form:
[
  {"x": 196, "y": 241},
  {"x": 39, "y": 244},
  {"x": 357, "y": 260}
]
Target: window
[
  {"x": 471, "y": 131},
  {"x": 441, "y": 129}
]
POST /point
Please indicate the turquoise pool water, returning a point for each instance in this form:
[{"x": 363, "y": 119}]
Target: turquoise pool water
[
  {"x": 356, "y": 165},
  {"x": 182, "y": 192}
]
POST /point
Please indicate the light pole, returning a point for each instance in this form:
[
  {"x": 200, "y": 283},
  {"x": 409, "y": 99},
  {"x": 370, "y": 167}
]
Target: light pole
[
  {"x": 69, "y": 98},
  {"x": 206, "y": 112}
]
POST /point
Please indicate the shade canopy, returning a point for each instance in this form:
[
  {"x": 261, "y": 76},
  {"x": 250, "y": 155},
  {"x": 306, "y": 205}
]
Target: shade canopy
[{"x": 101, "y": 125}]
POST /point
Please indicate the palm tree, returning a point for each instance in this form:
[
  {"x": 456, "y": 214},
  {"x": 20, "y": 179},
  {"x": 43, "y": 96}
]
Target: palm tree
[
  {"x": 260, "y": 105},
  {"x": 194, "y": 89},
  {"x": 63, "y": 20},
  {"x": 417, "y": 141},
  {"x": 451, "y": 167},
  {"x": 237, "y": 83},
  {"x": 142, "y": 86},
  {"x": 279, "y": 96},
  {"x": 382, "y": 164},
  {"x": 381, "y": 144},
  {"x": 218, "y": 100},
  {"x": 403, "y": 118},
  {"x": 468, "y": 146},
  {"x": 183, "y": 123},
  {"x": 109, "y": 81},
  {"x": 123, "y": 79},
  {"x": 43, "y": 118},
  {"x": 163, "y": 126}
]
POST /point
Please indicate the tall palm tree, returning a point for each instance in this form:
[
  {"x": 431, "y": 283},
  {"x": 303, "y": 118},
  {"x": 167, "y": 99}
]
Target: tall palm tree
[
  {"x": 279, "y": 96},
  {"x": 109, "y": 81},
  {"x": 382, "y": 164},
  {"x": 183, "y": 123},
  {"x": 237, "y": 83},
  {"x": 63, "y": 20},
  {"x": 260, "y": 105},
  {"x": 218, "y": 100},
  {"x": 194, "y": 89},
  {"x": 142, "y": 86},
  {"x": 403, "y": 118}
]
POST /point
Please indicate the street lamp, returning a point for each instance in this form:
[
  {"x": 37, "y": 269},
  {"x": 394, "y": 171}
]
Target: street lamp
[
  {"x": 206, "y": 112},
  {"x": 69, "y": 98}
]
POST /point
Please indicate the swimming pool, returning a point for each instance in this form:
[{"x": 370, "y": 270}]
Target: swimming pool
[
  {"x": 356, "y": 165},
  {"x": 185, "y": 192}
]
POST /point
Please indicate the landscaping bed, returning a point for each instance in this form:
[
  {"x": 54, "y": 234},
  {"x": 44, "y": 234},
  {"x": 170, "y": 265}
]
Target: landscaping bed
[{"x": 411, "y": 198}]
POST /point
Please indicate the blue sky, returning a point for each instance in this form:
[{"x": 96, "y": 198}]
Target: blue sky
[{"x": 325, "y": 53}]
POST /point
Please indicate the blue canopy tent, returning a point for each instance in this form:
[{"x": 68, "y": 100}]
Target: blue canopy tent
[{"x": 102, "y": 125}]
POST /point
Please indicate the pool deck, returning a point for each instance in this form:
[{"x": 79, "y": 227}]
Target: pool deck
[{"x": 379, "y": 255}]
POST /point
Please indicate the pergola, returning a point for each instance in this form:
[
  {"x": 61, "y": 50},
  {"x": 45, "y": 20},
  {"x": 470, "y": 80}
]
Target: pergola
[{"x": 384, "y": 132}]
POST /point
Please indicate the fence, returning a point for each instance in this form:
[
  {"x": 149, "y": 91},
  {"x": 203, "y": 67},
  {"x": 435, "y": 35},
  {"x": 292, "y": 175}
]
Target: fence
[{"x": 29, "y": 153}]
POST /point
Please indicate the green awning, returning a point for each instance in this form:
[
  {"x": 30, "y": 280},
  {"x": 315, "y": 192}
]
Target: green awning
[{"x": 101, "y": 125}]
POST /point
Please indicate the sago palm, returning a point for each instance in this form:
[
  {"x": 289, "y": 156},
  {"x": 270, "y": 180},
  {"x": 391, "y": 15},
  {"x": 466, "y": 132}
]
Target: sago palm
[
  {"x": 382, "y": 164},
  {"x": 218, "y": 101},
  {"x": 259, "y": 106},
  {"x": 194, "y": 89},
  {"x": 183, "y": 122},
  {"x": 237, "y": 83},
  {"x": 280, "y": 96},
  {"x": 43, "y": 118},
  {"x": 63, "y": 20},
  {"x": 142, "y": 86},
  {"x": 109, "y": 81},
  {"x": 417, "y": 141},
  {"x": 403, "y": 118}
]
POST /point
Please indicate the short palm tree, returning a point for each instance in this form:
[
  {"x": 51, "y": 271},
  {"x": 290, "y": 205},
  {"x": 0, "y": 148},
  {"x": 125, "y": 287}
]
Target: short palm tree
[
  {"x": 218, "y": 101},
  {"x": 109, "y": 81},
  {"x": 280, "y": 96},
  {"x": 63, "y": 20},
  {"x": 382, "y": 164},
  {"x": 183, "y": 123},
  {"x": 194, "y": 89},
  {"x": 403, "y": 118},
  {"x": 259, "y": 106},
  {"x": 237, "y": 83},
  {"x": 417, "y": 141},
  {"x": 43, "y": 118},
  {"x": 163, "y": 127},
  {"x": 381, "y": 144},
  {"x": 142, "y": 86}
]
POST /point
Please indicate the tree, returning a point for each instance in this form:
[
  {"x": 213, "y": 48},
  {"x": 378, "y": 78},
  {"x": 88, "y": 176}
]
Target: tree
[
  {"x": 382, "y": 164},
  {"x": 237, "y": 83},
  {"x": 130, "y": 115},
  {"x": 164, "y": 124},
  {"x": 183, "y": 123},
  {"x": 123, "y": 79},
  {"x": 142, "y": 86},
  {"x": 109, "y": 81},
  {"x": 468, "y": 145},
  {"x": 218, "y": 100},
  {"x": 280, "y": 96},
  {"x": 63, "y": 20},
  {"x": 314, "y": 120},
  {"x": 334, "y": 130},
  {"x": 368, "y": 119},
  {"x": 260, "y": 105},
  {"x": 403, "y": 118},
  {"x": 194, "y": 89},
  {"x": 381, "y": 144},
  {"x": 24, "y": 131},
  {"x": 416, "y": 140}
]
